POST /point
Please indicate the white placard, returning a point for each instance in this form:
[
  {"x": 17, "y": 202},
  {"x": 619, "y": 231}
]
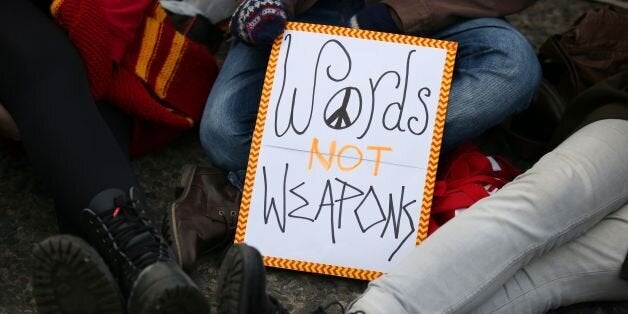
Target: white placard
[{"x": 339, "y": 178}]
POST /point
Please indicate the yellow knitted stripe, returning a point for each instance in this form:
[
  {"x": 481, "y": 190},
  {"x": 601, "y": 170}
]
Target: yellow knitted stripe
[
  {"x": 54, "y": 7},
  {"x": 160, "y": 13},
  {"x": 149, "y": 42},
  {"x": 170, "y": 66}
]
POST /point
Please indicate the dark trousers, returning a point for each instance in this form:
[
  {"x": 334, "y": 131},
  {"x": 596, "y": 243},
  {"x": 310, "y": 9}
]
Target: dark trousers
[{"x": 44, "y": 86}]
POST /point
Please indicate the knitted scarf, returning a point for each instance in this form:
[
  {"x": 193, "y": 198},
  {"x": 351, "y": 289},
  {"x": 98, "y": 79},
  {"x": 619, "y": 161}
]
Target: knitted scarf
[{"x": 162, "y": 79}]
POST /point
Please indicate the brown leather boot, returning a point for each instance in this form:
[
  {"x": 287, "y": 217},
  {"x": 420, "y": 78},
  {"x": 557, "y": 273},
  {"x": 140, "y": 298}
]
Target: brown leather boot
[{"x": 204, "y": 216}]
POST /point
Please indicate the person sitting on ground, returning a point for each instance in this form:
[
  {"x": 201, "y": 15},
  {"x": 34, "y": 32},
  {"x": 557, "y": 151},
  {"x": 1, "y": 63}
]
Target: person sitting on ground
[
  {"x": 495, "y": 75},
  {"x": 554, "y": 236},
  {"x": 81, "y": 152}
]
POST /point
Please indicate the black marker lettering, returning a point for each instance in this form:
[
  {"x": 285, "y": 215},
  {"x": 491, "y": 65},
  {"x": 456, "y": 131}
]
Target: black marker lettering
[
  {"x": 371, "y": 191},
  {"x": 281, "y": 221},
  {"x": 373, "y": 89},
  {"x": 427, "y": 94},
  {"x": 305, "y": 203},
  {"x": 343, "y": 198},
  {"x": 400, "y": 106},
  {"x": 396, "y": 223},
  {"x": 278, "y": 133},
  {"x": 330, "y": 202}
]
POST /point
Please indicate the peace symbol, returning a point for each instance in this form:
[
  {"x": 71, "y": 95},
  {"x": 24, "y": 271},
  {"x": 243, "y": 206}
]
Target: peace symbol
[{"x": 346, "y": 114}]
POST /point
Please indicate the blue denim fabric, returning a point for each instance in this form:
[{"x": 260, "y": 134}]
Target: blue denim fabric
[{"x": 496, "y": 74}]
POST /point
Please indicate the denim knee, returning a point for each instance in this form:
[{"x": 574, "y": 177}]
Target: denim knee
[
  {"x": 523, "y": 71},
  {"x": 231, "y": 109},
  {"x": 224, "y": 146},
  {"x": 496, "y": 75}
]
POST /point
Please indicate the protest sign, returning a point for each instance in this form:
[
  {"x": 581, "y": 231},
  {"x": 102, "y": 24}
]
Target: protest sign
[{"x": 345, "y": 149}]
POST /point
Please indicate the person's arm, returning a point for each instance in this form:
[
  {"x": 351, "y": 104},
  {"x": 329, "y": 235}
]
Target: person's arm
[{"x": 423, "y": 17}]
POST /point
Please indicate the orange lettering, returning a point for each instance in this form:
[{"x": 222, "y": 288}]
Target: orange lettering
[
  {"x": 378, "y": 156},
  {"x": 340, "y": 153},
  {"x": 314, "y": 150}
]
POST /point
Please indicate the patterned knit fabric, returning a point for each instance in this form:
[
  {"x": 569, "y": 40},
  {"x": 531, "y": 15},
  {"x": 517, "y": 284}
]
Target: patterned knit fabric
[
  {"x": 162, "y": 80},
  {"x": 258, "y": 22}
]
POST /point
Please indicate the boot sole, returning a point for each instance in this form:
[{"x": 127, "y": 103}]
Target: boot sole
[
  {"x": 241, "y": 281},
  {"x": 169, "y": 229},
  {"x": 164, "y": 289},
  {"x": 71, "y": 277}
]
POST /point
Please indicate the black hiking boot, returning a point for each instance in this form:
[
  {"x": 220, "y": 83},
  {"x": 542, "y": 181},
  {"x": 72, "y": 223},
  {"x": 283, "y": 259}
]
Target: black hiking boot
[
  {"x": 138, "y": 256},
  {"x": 242, "y": 284},
  {"x": 70, "y": 277}
]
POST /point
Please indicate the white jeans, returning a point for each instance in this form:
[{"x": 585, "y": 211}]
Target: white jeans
[{"x": 554, "y": 236}]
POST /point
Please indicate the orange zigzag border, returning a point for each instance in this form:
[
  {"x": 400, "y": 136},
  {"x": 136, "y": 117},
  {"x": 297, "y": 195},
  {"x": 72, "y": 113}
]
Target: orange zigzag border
[
  {"x": 437, "y": 137},
  {"x": 326, "y": 269}
]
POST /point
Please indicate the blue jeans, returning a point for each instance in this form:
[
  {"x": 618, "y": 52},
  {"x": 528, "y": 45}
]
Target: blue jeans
[{"x": 496, "y": 74}]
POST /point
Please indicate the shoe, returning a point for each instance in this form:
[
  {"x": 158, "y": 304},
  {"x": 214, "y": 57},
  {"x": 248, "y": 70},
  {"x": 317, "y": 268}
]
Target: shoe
[
  {"x": 115, "y": 224},
  {"x": 204, "y": 216},
  {"x": 242, "y": 284},
  {"x": 70, "y": 277}
]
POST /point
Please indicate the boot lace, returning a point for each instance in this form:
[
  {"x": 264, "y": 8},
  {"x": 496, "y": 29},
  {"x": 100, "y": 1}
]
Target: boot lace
[
  {"x": 230, "y": 222},
  {"x": 133, "y": 233}
]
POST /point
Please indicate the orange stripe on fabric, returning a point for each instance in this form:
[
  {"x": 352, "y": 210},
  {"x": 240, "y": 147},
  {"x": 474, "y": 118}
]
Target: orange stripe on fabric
[
  {"x": 54, "y": 7},
  {"x": 160, "y": 13},
  {"x": 170, "y": 66},
  {"x": 149, "y": 42}
]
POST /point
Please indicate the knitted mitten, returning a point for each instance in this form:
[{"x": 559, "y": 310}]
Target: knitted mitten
[
  {"x": 258, "y": 22},
  {"x": 162, "y": 79},
  {"x": 375, "y": 17}
]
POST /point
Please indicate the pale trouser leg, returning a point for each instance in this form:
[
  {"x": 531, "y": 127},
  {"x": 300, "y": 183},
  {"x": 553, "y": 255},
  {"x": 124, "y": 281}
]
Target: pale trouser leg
[
  {"x": 585, "y": 269},
  {"x": 468, "y": 259}
]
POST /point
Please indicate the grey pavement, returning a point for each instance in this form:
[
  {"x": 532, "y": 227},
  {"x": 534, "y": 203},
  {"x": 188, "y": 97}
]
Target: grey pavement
[{"x": 26, "y": 210}]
